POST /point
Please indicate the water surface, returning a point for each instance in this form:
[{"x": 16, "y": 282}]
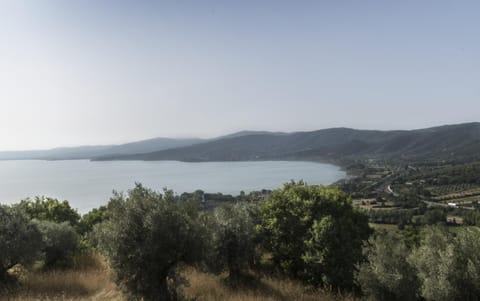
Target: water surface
[{"x": 87, "y": 185}]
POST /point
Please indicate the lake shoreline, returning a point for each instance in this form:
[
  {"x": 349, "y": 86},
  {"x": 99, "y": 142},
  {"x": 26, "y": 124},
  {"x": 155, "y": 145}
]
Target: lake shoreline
[{"x": 89, "y": 184}]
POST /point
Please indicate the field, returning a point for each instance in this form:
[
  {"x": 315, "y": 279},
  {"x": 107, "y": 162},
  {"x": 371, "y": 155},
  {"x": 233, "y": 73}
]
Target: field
[{"x": 372, "y": 204}]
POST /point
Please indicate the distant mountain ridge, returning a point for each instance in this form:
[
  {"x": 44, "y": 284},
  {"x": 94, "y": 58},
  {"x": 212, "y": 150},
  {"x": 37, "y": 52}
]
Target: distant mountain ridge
[
  {"x": 449, "y": 142},
  {"x": 95, "y": 151},
  {"x": 89, "y": 152}
]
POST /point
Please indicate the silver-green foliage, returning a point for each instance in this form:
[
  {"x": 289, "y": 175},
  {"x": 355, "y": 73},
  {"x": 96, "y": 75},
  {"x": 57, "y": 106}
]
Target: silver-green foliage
[
  {"x": 449, "y": 265},
  {"x": 147, "y": 236},
  {"x": 60, "y": 242},
  {"x": 232, "y": 233},
  {"x": 387, "y": 275}
]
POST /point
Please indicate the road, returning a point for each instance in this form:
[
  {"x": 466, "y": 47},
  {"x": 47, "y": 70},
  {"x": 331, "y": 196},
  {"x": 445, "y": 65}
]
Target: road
[{"x": 434, "y": 204}]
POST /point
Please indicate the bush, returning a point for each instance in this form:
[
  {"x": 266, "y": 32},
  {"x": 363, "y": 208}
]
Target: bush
[
  {"x": 20, "y": 240},
  {"x": 60, "y": 243},
  {"x": 147, "y": 236},
  {"x": 314, "y": 233}
]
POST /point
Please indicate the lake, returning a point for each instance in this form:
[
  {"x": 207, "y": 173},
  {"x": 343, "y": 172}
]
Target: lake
[{"x": 87, "y": 184}]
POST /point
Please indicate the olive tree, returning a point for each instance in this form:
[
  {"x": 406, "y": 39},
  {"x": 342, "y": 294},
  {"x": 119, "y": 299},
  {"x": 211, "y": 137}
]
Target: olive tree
[
  {"x": 20, "y": 240},
  {"x": 147, "y": 235},
  {"x": 60, "y": 242},
  {"x": 314, "y": 233},
  {"x": 449, "y": 265},
  {"x": 387, "y": 275},
  {"x": 232, "y": 233}
]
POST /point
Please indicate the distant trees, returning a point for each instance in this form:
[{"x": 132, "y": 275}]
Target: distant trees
[
  {"x": 471, "y": 217},
  {"x": 402, "y": 217},
  {"x": 314, "y": 233},
  {"x": 435, "y": 216},
  {"x": 398, "y": 216},
  {"x": 453, "y": 175},
  {"x": 20, "y": 240},
  {"x": 147, "y": 235}
]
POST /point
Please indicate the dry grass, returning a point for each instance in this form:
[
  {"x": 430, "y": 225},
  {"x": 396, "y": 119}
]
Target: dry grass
[
  {"x": 90, "y": 280},
  {"x": 206, "y": 287}
]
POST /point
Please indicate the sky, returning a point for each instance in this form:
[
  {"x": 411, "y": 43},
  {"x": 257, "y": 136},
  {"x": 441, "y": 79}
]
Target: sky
[{"x": 103, "y": 72}]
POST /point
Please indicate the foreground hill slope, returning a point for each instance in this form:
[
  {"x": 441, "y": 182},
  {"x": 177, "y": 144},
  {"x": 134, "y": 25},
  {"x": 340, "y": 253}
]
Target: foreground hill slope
[{"x": 451, "y": 142}]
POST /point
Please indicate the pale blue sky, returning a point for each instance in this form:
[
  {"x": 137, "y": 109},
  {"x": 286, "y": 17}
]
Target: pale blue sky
[{"x": 100, "y": 72}]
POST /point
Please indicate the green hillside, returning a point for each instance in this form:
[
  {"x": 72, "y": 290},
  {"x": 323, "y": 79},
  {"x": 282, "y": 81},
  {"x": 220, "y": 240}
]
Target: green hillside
[{"x": 446, "y": 143}]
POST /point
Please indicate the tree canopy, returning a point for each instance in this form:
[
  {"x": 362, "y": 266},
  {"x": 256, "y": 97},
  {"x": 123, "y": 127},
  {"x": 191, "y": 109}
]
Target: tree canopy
[
  {"x": 147, "y": 236},
  {"x": 20, "y": 240},
  {"x": 314, "y": 233},
  {"x": 50, "y": 209},
  {"x": 232, "y": 233}
]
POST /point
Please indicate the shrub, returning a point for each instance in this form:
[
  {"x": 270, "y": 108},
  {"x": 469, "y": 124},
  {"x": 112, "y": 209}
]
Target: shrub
[{"x": 20, "y": 240}]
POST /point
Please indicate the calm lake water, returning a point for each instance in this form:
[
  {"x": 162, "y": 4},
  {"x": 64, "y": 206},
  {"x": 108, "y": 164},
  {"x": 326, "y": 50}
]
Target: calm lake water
[{"x": 87, "y": 185}]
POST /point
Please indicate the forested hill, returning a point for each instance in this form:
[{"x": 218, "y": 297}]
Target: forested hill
[{"x": 451, "y": 142}]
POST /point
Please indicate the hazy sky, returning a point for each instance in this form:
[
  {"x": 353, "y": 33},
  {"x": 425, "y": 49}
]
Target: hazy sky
[{"x": 90, "y": 72}]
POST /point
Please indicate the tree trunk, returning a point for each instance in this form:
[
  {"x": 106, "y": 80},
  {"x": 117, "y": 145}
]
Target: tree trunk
[
  {"x": 162, "y": 293},
  {"x": 3, "y": 275},
  {"x": 4, "y": 271},
  {"x": 234, "y": 271}
]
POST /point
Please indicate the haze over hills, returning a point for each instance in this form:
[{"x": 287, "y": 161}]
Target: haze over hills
[
  {"x": 94, "y": 151},
  {"x": 449, "y": 142},
  {"x": 88, "y": 152}
]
